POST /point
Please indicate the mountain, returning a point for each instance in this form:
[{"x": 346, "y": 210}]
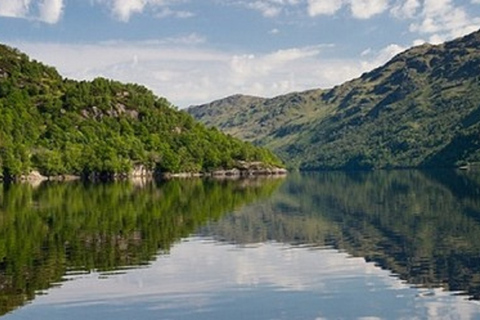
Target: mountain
[
  {"x": 102, "y": 127},
  {"x": 421, "y": 109}
]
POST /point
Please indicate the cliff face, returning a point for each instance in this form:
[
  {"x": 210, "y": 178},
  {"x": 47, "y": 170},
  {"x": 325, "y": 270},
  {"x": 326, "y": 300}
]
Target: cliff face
[{"x": 418, "y": 110}]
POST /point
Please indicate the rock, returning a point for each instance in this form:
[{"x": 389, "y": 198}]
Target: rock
[
  {"x": 141, "y": 171},
  {"x": 34, "y": 176}
]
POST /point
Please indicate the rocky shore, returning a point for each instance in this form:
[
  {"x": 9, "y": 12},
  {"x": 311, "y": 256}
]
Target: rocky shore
[{"x": 241, "y": 169}]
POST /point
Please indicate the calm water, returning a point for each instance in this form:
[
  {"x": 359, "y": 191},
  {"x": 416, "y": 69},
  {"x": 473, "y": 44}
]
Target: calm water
[{"x": 379, "y": 245}]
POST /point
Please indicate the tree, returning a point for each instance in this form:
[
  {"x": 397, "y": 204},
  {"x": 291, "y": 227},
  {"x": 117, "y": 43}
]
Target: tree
[{"x": 49, "y": 162}]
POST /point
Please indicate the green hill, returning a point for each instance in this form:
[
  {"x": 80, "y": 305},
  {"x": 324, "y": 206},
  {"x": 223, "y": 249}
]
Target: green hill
[
  {"x": 101, "y": 128},
  {"x": 421, "y": 109}
]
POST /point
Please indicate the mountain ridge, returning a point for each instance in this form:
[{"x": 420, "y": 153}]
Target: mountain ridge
[{"x": 418, "y": 110}]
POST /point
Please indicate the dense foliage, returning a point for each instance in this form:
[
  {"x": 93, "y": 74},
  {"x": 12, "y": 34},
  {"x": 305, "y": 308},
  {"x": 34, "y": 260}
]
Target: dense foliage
[
  {"x": 421, "y": 109},
  {"x": 61, "y": 126}
]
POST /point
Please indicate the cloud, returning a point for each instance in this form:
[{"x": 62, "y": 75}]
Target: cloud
[
  {"x": 268, "y": 8},
  {"x": 360, "y": 9},
  {"x": 185, "y": 40},
  {"x": 14, "y": 8},
  {"x": 372, "y": 59},
  {"x": 406, "y": 9},
  {"x": 51, "y": 10},
  {"x": 123, "y": 9},
  {"x": 167, "y": 12},
  {"x": 246, "y": 67},
  {"x": 48, "y": 11},
  {"x": 365, "y": 9},
  {"x": 443, "y": 20},
  {"x": 324, "y": 7},
  {"x": 186, "y": 71}
]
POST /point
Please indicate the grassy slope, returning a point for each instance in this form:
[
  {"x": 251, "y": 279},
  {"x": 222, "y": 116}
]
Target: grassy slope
[{"x": 420, "y": 109}]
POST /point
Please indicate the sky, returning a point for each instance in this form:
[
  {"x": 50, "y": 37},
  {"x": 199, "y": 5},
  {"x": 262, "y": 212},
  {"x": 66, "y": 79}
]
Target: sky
[{"x": 196, "y": 51}]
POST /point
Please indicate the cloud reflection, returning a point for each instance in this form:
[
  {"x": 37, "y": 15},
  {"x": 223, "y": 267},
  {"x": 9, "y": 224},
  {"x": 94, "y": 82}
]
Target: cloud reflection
[{"x": 201, "y": 279}]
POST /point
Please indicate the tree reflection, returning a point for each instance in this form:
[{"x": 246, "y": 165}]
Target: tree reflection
[{"x": 59, "y": 227}]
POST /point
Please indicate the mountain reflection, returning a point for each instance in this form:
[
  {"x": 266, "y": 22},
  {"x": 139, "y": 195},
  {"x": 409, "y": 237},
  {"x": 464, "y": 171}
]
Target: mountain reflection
[
  {"x": 423, "y": 226},
  {"x": 49, "y": 231}
]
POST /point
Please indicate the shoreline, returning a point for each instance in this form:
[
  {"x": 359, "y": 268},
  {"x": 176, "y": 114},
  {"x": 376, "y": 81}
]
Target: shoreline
[{"x": 139, "y": 174}]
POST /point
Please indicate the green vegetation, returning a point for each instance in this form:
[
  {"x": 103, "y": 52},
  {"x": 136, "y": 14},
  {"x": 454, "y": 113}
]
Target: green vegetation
[
  {"x": 421, "y": 109},
  {"x": 56, "y": 228},
  {"x": 103, "y": 127}
]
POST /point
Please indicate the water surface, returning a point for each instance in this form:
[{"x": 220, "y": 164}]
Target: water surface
[{"x": 386, "y": 245}]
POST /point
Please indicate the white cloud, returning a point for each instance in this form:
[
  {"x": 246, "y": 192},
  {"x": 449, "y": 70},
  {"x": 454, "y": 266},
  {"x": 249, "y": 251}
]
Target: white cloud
[
  {"x": 437, "y": 20},
  {"x": 365, "y": 9},
  {"x": 123, "y": 9},
  {"x": 419, "y": 42},
  {"x": 371, "y": 59},
  {"x": 274, "y": 31},
  {"x": 437, "y": 7},
  {"x": 48, "y": 11},
  {"x": 247, "y": 67},
  {"x": 406, "y": 9},
  {"x": 191, "y": 39},
  {"x": 14, "y": 8},
  {"x": 167, "y": 12},
  {"x": 51, "y": 10},
  {"x": 360, "y": 9},
  {"x": 324, "y": 7},
  {"x": 186, "y": 73},
  {"x": 267, "y": 8},
  {"x": 385, "y": 54}
]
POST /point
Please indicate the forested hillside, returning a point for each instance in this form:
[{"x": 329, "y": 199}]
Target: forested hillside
[
  {"x": 421, "y": 109},
  {"x": 103, "y": 127}
]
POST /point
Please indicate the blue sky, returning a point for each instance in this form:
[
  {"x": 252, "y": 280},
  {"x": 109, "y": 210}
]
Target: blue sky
[{"x": 196, "y": 51}]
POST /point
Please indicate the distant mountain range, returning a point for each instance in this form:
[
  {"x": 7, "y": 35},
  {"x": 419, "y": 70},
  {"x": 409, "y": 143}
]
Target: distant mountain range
[{"x": 421, "y": 109}]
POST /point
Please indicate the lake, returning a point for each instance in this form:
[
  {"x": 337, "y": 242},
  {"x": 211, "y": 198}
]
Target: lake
[{"x": 330, "y": 245}]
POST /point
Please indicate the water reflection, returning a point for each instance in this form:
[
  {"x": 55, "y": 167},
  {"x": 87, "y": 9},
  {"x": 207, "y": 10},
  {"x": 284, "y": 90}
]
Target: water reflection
[
  {"x": 308, "y": 247},
  {"x": 423, "y": 226},
  {"x": 62, "y": 228},
  {"x": 202, "y": 280}
]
